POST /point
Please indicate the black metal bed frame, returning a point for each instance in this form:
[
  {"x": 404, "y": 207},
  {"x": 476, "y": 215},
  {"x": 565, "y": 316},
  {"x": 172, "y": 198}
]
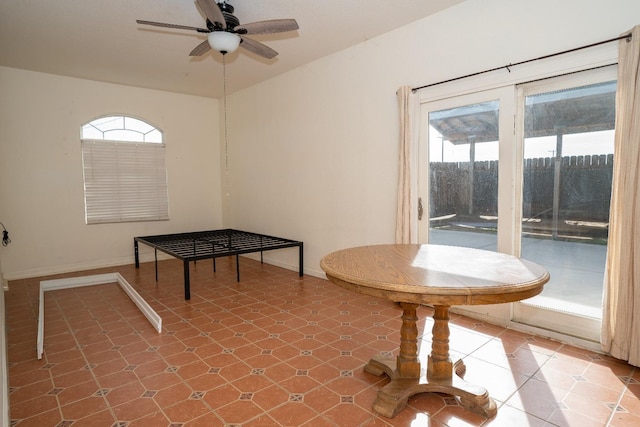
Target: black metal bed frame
[{"x": 213, "y": 244}]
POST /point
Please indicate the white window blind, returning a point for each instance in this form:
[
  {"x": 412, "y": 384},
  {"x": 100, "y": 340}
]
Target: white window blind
[{"x": 124, "y": 181}]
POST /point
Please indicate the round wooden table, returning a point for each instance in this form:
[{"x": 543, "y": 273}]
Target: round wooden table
[{"x": 441, "y": 276}]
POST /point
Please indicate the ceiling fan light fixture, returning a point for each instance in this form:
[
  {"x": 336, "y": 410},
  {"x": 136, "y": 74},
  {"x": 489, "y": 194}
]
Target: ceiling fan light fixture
[
  {"x": 223, "y": 41},
  {"x": 224, "y": 32}
]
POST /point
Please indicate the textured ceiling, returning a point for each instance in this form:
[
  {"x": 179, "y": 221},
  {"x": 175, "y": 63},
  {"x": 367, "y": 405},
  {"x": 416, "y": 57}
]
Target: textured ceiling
[{"x": 100, "y": 40}]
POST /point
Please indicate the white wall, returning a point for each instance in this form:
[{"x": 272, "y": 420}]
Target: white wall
[
  {"x": 41, "y": 185},
  {"x": 313, "y": 153}
]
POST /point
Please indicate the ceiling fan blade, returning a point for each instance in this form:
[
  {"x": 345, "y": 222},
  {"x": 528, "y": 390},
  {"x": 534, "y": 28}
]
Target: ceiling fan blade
[
  {"x": 212, "y": 12},
  {"x": 180, "y": 27},
  {"x": 201, "y": 49},
  {"x": 267, "y": 27},
  {"x": 258, "y": 48}
]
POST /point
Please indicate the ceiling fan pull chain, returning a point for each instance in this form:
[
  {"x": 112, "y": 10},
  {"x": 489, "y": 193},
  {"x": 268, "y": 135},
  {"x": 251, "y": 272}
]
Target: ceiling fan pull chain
[{"x": 224, "y": 106}]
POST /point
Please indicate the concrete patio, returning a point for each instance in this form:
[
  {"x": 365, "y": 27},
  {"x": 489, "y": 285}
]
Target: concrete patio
[{"x": 576, "y": 269}]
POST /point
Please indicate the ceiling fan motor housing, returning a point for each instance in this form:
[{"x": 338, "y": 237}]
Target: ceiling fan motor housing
[{"x": 229, "y": 17}]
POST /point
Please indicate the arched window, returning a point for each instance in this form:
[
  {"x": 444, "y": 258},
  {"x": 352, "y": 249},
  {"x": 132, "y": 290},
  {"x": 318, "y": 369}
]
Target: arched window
[
  {"x": 125, "y": 177},
  {"x": 121, "y": 128}
]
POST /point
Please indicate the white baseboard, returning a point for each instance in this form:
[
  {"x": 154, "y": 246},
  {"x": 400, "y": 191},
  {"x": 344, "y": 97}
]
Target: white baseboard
[
  {"x": 83, "y": 266},
  {"x": 4, "y": 374},
  {"x": 287, "y": 265}
]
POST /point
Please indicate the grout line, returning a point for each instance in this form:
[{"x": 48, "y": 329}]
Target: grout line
[
  {"x": 86, "y": 362},
  {"x": 619, "y": 401}
]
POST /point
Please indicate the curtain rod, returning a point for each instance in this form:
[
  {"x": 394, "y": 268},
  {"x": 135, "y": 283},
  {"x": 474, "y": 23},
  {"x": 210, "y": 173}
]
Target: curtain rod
[{"x": 508, "y": 67}]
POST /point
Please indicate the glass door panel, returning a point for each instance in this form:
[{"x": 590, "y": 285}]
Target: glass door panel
[
  {"x": 463, "y": 175},
  {"x": 567, "y": 172}
]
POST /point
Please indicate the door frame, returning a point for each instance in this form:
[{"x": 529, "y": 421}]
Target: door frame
[
  {"x": 531, "y": 312},
  {"x": 510, "y": 183},
  {"x": 507, "y": 170}
]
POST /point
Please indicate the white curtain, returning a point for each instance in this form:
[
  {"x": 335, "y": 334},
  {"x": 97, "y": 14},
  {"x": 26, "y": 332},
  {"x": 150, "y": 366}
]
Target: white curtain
[
  {"x": 621, "y": 312},
  {"x": 405, "y": 215}
]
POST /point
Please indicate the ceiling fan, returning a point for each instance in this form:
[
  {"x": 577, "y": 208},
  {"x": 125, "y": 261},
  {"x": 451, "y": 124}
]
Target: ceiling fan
[{"x": 225, "y": 33}]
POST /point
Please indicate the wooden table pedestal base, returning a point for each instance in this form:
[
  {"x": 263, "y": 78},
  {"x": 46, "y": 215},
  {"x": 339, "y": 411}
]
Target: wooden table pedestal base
[
  {"x": 393, "y": 397},
  {"x": 442, "y": 375}
]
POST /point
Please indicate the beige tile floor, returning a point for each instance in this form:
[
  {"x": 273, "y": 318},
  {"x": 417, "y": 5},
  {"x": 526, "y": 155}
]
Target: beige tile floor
[{"x": 275, "y": 350}]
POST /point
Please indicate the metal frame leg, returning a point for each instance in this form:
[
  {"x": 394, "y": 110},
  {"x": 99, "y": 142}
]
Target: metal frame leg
[
  {"x": 187, "y": 285},
  {"x": 301, "y": 260}
]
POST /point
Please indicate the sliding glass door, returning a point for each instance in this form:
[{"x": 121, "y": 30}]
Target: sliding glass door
[
  {"x": 460, "y": 170},
  {"x": 526, "y": 170},
  {"x": 567, "y": 160}
]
